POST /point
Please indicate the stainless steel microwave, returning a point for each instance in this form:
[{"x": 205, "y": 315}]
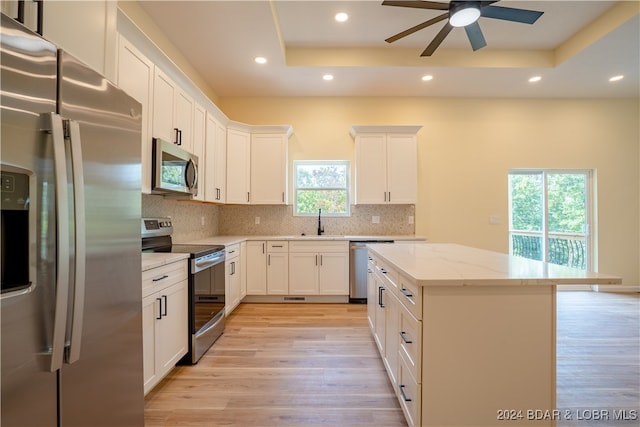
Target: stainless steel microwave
[{"x": 174, "y": 170}]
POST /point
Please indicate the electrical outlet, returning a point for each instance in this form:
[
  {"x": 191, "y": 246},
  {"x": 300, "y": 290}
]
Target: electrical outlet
[
  {"x": 257, "y": 220},
  {"x": 494, "y": 219},
  {"x": 202, "y": 220},
  {"x": 410, "y": 219},
  {"x": 375, "y": 219}
]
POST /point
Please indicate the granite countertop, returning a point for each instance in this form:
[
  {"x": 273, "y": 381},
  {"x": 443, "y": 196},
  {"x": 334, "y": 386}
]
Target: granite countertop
[
  {"x": 442, "y": 264},
  {"x": 157, "y": 259},
  {"x": 230, "y": 240}
]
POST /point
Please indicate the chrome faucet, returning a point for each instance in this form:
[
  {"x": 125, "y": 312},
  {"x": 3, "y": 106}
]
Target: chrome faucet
[{"x": 320, "y": 227}]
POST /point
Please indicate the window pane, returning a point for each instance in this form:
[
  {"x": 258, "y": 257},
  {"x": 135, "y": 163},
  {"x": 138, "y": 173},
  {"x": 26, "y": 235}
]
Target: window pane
[
  {"x": 526, "y": 202},
  {"x": 330, "y": 201},
  {"x": 321, "y": 176},
  {"x": 567, "y": 203}
]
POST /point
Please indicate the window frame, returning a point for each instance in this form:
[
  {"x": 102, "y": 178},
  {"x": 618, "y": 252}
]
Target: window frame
[
  {"x": 346, "y": 188},
  {"x": 590, "y": 232}
]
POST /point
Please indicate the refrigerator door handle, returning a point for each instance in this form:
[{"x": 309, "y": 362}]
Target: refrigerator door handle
[
  {"x": 73, "y": 353},
  {"x": 53, "y": 124}
]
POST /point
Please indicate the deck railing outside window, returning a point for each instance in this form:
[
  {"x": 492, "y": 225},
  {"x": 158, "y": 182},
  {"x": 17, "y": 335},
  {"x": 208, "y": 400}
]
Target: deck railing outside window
[{"x": 567, "y": 249}]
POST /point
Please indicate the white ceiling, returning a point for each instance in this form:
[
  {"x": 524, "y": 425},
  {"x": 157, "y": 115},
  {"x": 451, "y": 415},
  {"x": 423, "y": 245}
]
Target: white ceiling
[{"x": 576, "y": 46}]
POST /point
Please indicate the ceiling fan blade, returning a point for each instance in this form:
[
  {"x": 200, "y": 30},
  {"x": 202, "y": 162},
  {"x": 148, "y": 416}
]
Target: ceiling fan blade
[
  {"x": 418, "y": 27},
  {"x": 476, "y": 38},
  {"x": 444, "y": 32},
  {"x": 417, "y": 4},
  {"x": 510, "y": 14}
]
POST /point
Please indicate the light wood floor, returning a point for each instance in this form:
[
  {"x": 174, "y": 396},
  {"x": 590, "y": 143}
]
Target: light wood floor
[{"x": 316, "y": 365}]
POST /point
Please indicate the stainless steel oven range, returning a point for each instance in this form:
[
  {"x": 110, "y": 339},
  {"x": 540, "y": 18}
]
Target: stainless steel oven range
[{"x": 206, "y": 284}]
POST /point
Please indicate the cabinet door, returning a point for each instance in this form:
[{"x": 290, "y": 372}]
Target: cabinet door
[
  {"x": 268, "y": 169},
  {"x": 402, "y": 169},
  {"x": 371, "y": 169},
  {"x": 150, "y": 315},
  {"x": 135, "y": 76},
  {"x": 199, "y": 135},
  {"x": 392, "y": 336},
  {"x": 303, "y": 273},
  {"x": 232, "y": 291},
  {"x": 216, "y": 164},
  {"x": 164, "y": 95},
  {"x": 256, "y": 268},
  {"x": 183, "y": 119},
  {"x": 372, "y": 298},
  {"x": 172, "y": 335},
  {"x": 334, "y": 273},
  {"x": 277, "y": 274},
  {"x": 380, "y": 299},
  {"x": 243, "y": 270},
  {"x": 238, "y": 160}
]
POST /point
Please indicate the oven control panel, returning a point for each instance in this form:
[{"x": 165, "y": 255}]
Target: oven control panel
[{"x": 156, "y": 227}]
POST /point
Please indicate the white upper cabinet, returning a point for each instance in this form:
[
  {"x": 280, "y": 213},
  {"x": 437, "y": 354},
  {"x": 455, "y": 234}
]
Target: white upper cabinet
[
  {"x": 215, "y": 161},
  {"x": 269, "y": 169},
  {"x": 257, "y": 164},
  {"x": 238, "y": 166},
  {"x": 135, "y": 76},
  {"x": 386, "y": 164},
  {"x": 172, "y": 111},
  {"x": 199, "y": 141}
]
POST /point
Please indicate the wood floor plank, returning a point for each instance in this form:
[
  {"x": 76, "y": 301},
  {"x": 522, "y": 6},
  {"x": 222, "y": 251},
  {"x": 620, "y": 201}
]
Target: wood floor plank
[{"x": 308, "y": 365}]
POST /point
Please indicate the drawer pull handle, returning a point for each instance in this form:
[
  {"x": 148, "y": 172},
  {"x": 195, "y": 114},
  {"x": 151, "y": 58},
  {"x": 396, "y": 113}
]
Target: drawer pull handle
[
  {"x": 380, "y": 303},
  {"x": 277, "y": 246},
  {"x": 160, "y": 309},
  {"x": 160, "y": 278},
  {"x": 406, "y": 293},
  {"x": 383, "y": 271},
  {"x": 164, "y": 297},
  {"x": 404, "y": 396},
  {"x": 403, "y": 335}
]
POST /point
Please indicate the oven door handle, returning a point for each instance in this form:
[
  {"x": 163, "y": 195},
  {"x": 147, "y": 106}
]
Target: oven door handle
[{"x": 203, "y": 265}]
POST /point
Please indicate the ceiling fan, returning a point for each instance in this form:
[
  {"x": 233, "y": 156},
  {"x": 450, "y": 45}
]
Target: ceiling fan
[{"x": 461, "y": 14}]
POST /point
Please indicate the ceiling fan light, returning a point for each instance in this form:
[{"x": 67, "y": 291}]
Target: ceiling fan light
[{"x": 462, "y": 14}]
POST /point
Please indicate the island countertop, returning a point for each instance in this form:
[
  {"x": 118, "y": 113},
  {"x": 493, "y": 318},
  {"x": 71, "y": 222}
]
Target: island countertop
[{"x": 444, "y": 264}]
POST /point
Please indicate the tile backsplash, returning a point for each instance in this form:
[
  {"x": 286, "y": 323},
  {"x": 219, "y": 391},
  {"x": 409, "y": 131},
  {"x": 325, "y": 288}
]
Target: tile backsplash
[{"x": 194, "y": 220}]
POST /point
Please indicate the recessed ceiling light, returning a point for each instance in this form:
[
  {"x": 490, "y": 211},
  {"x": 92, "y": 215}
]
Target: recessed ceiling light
[
  {"x": 616, "y": 78},
  {"x": 341, "y": 17},
  {"x": 535, "y": 79},
  {"x": 260, "y": 60},
  {"x": 327, "y": 77},
  {"x": 427, "y": 77}
]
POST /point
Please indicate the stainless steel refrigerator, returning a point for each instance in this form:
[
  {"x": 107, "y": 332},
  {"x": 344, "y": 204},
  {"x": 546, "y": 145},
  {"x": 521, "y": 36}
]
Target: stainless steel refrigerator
[{"x": 71, "y": 323}]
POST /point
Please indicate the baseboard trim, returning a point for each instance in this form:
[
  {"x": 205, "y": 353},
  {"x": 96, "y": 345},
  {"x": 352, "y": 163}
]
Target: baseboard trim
[{"x": 297, "y": 299}]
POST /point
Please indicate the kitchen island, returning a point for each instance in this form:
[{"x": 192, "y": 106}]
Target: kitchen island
[{"x": 467, "y": 335}]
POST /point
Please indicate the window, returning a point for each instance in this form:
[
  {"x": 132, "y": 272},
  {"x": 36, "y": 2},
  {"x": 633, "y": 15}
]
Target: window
[
  {"x": 322, "y": 184},
  {"x": 549, "y": 216}
]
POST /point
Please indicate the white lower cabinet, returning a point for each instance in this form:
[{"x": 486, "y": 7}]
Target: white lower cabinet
[
  {"x": 233, "y": 273},
  {"x": 277, "y": 268},
  {"x": 256, "y": 267},
  {"x": 392, "y": 301},
  {"x": 164, "y": 320},
  {"x": 319, "y": 268}
]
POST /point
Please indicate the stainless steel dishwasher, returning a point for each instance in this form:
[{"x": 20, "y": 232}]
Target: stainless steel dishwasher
[{"x": 358, "y": 269}]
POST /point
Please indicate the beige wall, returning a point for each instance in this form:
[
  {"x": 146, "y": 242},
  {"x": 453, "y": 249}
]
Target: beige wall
[{"x": 466, "y": 148}]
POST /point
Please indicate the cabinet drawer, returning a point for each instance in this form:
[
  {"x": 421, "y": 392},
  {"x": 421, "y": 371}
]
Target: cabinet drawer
[
  {"x": 410, "y": 331},
  {"x": 386, "y": 272},
  {"x": 275, "y": 246},
  {"x": 159, "y": 278},
  {"x": 319, "y": 246},
  {"x": 232, "y": 251},
  {"x": 410, "y": 296},
  {"x": 409, "y": 394}
]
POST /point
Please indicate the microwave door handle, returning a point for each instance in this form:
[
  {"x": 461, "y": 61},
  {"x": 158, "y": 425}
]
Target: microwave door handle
[
  {"x": 53, "y": 124},
  {"x": 80, "y": 242},
  {"x": 191, "y": 166}
]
